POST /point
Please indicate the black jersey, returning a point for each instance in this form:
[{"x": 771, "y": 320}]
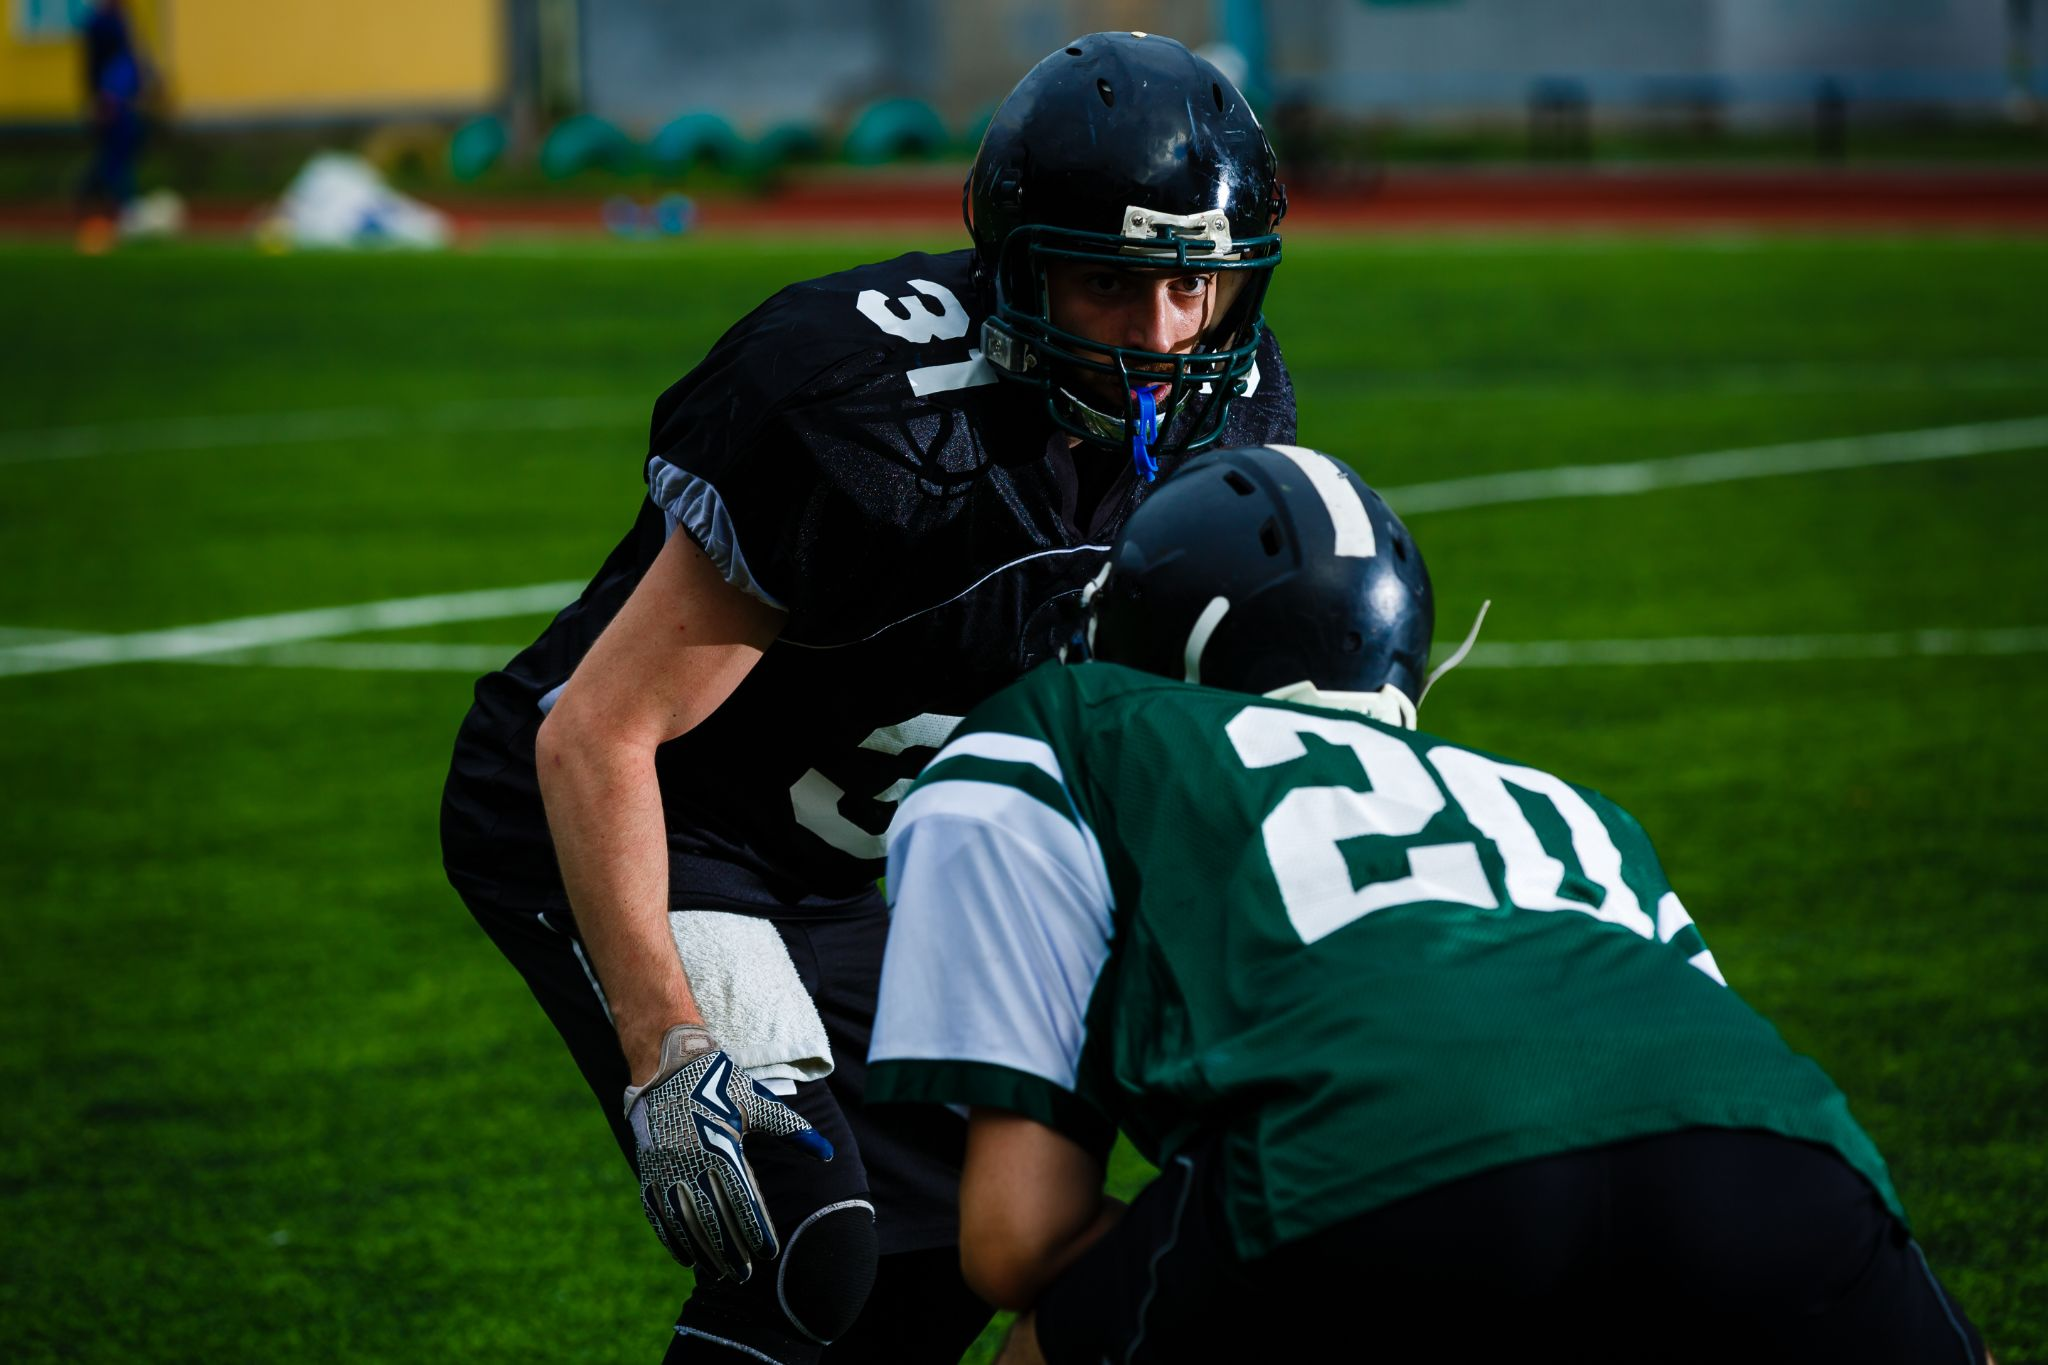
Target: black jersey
[{"x": 844, "y": 454}]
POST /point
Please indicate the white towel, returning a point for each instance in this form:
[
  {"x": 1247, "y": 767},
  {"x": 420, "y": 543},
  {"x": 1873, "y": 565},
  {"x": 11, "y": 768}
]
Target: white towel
[{"x": 751, "y": 997}]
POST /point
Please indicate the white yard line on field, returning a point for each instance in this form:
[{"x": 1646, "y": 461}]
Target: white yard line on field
[
  {"x": 1729, "y": 377},
  {"x": 27, "y": 635},
  {"x": 1720, "y": 466},
  {"x": 226, "y": 430},
  {"x": 1854, "y": 452},
  {"x": 386, "y": 656},
  {"x": 250, "y": 632},
  {"x": 1759, "y": 649},
  {"x": 1702, "y": 649},
  {"x": 415, "y": 657}
]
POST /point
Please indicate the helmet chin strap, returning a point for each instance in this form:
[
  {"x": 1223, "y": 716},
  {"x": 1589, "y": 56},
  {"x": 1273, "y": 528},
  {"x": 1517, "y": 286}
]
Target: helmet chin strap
[
  {"x": 1389, "y": 705},
  {"x": 1114, "y": 429},
  {"x": 1101, "y": 427},
  {"x": 1458, "y": 654}
]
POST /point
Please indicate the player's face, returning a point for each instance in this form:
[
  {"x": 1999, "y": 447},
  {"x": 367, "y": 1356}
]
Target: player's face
[{"x": 1149, "y": 310}]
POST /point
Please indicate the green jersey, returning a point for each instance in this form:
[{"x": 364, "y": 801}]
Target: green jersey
[{"x": 1370, "y": 960}]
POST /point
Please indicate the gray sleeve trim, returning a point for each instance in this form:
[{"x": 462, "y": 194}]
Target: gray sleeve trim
[{"x": 689, "y": 502}]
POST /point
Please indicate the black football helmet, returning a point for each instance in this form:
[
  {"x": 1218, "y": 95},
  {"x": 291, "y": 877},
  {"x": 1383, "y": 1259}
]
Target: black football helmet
[
  {"x": 1258, "y": 567},
  {"x": 1126, "y": 149}
]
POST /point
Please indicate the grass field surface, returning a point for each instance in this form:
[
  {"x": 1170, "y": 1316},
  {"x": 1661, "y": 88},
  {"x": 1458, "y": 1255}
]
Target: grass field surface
[{"x": 270, "y": 1096}]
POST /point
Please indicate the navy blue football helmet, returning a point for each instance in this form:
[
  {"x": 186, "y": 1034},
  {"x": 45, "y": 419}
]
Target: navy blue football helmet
[
  {"x": 1128, "y": 150},
  {"x": 1264, "y": 566}
]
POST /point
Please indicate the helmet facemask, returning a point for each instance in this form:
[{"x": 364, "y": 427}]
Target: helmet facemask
[{"x": 1022, "y": 340}]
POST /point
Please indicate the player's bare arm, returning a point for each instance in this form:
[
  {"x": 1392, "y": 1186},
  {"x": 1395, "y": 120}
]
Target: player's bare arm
[
  {"x": 682, "y": 642},
  {"x": 1031, "y": 1201},
  {"x": 1020, "y": 1347}
]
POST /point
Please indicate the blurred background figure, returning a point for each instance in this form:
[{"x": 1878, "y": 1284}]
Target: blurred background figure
[{"x": 115, "y": 76}]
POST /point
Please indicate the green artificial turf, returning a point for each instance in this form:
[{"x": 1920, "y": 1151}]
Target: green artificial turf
[{"x": 270, "y": 1096}]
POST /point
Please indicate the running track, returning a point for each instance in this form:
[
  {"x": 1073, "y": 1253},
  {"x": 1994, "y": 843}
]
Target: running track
[{"x": 1401, "y": 200}]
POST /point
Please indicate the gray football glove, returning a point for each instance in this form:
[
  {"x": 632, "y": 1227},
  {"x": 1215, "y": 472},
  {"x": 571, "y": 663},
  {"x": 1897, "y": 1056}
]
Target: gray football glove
[{"x": 691, "y": 1122}]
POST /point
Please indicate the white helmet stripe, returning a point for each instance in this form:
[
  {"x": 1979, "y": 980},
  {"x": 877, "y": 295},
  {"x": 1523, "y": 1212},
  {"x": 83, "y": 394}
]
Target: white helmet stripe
[
  {"x": 1347, "y": 509},
  {"x": 1198, "y": 638}
]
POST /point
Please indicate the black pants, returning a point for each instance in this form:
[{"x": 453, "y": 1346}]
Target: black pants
[
  {"x": 109, "y": 182},
  {"x": 1703, "y": 1245},
  {"x": 904, "y": 1159}
]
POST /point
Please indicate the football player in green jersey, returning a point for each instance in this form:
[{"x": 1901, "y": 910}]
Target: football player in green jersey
[{"x": 1430, "y": 1055}]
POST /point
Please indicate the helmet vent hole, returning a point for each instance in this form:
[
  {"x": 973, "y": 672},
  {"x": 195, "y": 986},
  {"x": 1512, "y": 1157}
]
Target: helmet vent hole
[
  {"x": 1108, "y": 95},
  {"x": 1073, "y": 52},
  {"x": 1353, "y": 642},
  {"x": 1269, "y": 536},
  {"x": 1239, "y": 484},
  {"x": 1216, "y": 93},
  {"x": 1400, "y": 549}
]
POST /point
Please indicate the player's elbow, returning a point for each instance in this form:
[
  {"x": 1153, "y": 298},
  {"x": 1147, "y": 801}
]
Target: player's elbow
[
  {"x": 1030, "y": 1201},
  {"x": 1002, "y": 1271},
  {"x": 569, "y": 749},
  {"x": 555, "y": 744}
]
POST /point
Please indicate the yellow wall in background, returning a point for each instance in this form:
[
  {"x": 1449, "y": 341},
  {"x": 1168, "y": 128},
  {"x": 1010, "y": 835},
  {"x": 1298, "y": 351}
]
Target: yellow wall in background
[
  {"x": 42, "y": 80},
  {"x": 254, "y": 59},
  {"x": 251, "y": 58}
]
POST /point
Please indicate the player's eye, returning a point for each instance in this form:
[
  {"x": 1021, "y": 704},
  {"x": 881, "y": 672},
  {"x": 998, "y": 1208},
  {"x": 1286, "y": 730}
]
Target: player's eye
[{"x": 1193, "y": 286}]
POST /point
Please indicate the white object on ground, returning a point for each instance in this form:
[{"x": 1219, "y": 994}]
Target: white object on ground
[
  {"x": 160, "y": 213},
  {"x": 339, "y": 200}
]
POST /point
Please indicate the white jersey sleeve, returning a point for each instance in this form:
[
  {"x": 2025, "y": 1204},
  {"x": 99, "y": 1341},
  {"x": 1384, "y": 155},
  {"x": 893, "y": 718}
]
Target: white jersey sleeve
[{"x": 1001, "y": 928}]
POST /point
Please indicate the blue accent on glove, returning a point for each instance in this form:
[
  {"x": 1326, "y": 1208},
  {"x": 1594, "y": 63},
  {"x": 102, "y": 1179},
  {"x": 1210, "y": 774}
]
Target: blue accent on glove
[
  {"x": 808, "y": 1140},
  {"x": 1144, "y": 434}
]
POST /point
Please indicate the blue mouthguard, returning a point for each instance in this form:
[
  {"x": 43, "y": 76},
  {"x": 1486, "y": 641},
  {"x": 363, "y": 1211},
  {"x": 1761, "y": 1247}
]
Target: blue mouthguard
[{"x": 1144, "y": 433}]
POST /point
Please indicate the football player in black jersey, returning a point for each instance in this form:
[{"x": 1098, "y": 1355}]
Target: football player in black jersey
[{"x": 891, "y": 485}]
